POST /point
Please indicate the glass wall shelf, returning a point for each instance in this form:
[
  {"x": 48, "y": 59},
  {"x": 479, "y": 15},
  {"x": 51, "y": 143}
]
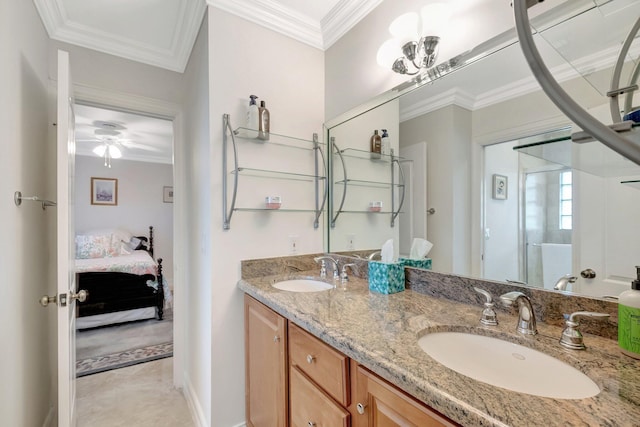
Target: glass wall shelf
[
  {"x": 277, "y": 139},
  {"x": 272, "y": 210},
  {"x": 592, "y": 157},
  {"x": 368, "y": 155},
  {"x": 370, "y": 212},
  {"x": 265, "y": 173},
  {"x": 315, "y": 165},
  {"x": 374, "y": 184}
]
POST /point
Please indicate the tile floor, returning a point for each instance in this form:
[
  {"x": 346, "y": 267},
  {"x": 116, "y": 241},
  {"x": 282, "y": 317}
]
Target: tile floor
[{"x": 137, "y": 396}]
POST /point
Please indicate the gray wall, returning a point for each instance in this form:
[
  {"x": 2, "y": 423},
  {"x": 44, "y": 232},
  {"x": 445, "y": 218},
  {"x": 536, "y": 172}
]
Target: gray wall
[{"x": 140, "y": 202}]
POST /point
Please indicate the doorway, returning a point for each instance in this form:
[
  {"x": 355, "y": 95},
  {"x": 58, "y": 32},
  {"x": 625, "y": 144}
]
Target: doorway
[{"x": 134, "y": 153}]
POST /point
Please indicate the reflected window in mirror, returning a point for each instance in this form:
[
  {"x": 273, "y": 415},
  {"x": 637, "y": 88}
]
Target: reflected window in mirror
[{"x": 566, "y": 200}]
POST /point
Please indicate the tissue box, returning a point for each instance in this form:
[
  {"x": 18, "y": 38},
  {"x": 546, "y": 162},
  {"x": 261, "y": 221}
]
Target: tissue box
[
  {"x": 386, "y": 278},
  {"x": 424, "y": 263}
]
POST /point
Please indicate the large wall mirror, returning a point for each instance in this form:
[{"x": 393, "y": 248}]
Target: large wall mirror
[{"x": 561, "y": 208}]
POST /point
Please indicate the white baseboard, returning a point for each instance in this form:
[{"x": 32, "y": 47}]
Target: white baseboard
[
  {"x": 194, "y": 404},
  {"x": 50, "y": 421},
  {"x": 241, "y": 425}
]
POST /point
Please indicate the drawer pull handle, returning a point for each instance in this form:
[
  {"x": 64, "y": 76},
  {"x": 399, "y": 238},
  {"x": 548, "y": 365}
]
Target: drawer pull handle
[
  {"x": 311, "y": 424},
  {"x": 360, "y": 407},
  {"x": 276, "y": 338},
  {"x": 310, "y": 358}
]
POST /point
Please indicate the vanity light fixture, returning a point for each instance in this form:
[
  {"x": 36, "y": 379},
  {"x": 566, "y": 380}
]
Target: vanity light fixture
[{"x": 420, "y": 54}]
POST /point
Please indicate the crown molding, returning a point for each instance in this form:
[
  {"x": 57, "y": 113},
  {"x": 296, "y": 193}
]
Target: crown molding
[
  {"x": 344, "y": 16},
  {"x": 276, "y": 17},
  {"x": 454, "y": 96},
  {"x": 175, "y": 58}
]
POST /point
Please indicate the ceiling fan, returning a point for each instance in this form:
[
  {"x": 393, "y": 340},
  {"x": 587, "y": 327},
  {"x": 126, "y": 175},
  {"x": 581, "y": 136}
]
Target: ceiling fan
[{"x": 109, "y": 136}]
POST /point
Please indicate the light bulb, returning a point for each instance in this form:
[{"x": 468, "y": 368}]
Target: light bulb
[
  {"x": 114, "y": 152},
  {"x": 388, "y": 52},
  {"x": 435, "y": 19},
  {"x": 100, "y": 150},
  {"x": 405, "y": 27}
]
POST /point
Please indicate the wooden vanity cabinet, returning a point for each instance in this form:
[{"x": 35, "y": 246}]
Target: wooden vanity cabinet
[
  {"x": 376, "y": 403},
  {"x": 294, "y": 379},
  {"x": 266, "y": 370}
]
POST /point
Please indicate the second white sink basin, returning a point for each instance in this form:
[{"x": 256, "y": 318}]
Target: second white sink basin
[
  {"x": 508, "y": 365},
  {"x": 303, "y": 285}
]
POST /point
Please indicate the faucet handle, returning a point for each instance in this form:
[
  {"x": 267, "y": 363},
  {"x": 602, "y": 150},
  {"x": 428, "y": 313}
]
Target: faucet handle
[
  {"x": 323, "y": 268},
  {"x": 343, "y": 276},
  {"x": 571, "y": 337},
  {"x": 489, "y": 317}
]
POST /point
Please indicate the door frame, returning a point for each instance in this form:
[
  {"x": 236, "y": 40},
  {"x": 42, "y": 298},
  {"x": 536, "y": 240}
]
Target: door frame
[{"x": 135, "y": 104}]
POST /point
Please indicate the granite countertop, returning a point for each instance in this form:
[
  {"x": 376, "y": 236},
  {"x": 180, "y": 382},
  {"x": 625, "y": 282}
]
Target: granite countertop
[{"x": 381, "y": 332}]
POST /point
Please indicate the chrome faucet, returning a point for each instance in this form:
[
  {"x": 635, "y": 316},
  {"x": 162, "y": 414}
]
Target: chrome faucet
[
  {"x": 374, "y": 255},
  {"x": 323, "y": 266},
  {"x": 344, "y": 278},
  {"x": 563, "y": 282},
  {"x": 526, "y": 318}
]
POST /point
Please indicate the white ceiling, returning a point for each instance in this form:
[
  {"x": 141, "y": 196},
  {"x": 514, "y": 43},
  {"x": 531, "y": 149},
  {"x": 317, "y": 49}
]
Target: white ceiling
[
  {"x": 140, "y": 138},
  {"x": 161, "y": 33}
]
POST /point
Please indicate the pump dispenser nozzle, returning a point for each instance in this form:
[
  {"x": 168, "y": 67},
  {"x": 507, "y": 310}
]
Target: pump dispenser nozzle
[{"x": 636, "y": 283}]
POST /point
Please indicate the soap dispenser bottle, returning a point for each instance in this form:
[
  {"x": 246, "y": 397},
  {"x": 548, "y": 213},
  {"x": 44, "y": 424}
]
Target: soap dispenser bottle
[
  {"x": 376, "y": 145},
  {"x": 252, "y": 117},
  {"x": 264, "y": 119},
  {"x": 386, "y": 143},
  {"x": 629, "y": 319}
]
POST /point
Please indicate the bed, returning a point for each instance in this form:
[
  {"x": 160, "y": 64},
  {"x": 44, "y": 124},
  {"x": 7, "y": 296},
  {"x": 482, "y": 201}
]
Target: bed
[{"x": 121, "y": 276}]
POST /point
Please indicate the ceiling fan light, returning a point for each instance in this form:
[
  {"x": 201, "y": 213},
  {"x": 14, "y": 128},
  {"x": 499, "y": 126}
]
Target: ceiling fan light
[
  {"x": 114, "y": 152},
  {"x": 100, "y": 150}
]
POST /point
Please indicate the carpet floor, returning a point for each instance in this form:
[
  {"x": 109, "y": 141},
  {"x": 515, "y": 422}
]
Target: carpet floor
[{"x": 112, "y": 347}]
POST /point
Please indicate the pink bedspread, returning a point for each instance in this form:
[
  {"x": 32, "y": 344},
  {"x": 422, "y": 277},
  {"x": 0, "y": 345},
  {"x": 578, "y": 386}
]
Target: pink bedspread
[{"x": 139, "y": 262}]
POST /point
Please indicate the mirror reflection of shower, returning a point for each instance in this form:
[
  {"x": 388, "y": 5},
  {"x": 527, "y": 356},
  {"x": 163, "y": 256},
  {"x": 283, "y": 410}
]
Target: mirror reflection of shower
[
  {"x": 547, "y": 223},
  {"x": 528, "y": 230}
]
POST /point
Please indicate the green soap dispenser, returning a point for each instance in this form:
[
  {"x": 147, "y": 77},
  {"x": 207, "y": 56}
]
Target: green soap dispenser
[{"x": 629, "y": 319}]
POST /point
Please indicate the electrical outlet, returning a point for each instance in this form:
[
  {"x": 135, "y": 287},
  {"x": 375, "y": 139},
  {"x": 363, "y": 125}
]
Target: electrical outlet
[
  {"x": 351, "y": 242},
  {"x": 294, "y": 245}
]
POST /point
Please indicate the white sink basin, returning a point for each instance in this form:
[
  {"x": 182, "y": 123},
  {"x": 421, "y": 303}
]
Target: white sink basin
[
  {"x": 508, "y": 365},
  {"x": 303, "y": 285}
]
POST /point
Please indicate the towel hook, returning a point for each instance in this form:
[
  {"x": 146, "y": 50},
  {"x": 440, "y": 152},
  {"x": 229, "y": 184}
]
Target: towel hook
[{"x": 18, "y": 198}]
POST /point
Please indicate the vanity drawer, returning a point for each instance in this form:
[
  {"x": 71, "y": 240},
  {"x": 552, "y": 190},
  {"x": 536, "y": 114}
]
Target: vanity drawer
[
  {"x": 324, "y": 365},
  {"x": 310, "y": 406}
]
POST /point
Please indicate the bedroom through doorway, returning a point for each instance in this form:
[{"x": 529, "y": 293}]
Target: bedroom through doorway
[{"x": 124, "y": 238}]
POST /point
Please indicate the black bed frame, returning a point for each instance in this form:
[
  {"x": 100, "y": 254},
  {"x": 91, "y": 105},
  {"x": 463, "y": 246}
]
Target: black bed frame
[{"x": 110, "y": 292}]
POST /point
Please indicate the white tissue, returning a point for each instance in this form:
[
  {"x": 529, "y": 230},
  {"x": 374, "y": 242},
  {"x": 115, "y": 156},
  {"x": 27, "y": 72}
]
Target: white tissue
[
  {"x": 386, "y": 253},
  {"x": 420, "y": 248}
]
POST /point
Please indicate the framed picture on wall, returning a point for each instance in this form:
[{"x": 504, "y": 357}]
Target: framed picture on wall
[
  {"x": 167, "y": 194},
  {"x": 499, "y": 187},
  {"x": 104, "y": 191}
]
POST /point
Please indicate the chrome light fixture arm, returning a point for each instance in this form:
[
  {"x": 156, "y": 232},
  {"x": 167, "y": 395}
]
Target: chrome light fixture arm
[
  {"x": 559, "y": 97},
  {"x": 227, "y": 213}
]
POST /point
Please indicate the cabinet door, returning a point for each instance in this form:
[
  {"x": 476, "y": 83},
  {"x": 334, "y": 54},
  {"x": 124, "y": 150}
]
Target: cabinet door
[
  {"x": 312, "y": 407},
  {"x": 379, "y": 404},
  {"x": 265, "y": 365}
]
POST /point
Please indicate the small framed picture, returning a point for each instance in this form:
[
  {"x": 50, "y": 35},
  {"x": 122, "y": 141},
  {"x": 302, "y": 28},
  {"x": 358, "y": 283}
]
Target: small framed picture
[
  {"x": 167, "y": 194},
  {"x": 104, "y": 191},
  {"x": 499, "y": 187}
]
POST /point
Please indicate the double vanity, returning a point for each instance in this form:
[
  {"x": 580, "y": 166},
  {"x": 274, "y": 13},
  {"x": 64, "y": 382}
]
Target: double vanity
[{"x": 345, "y": 356}]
